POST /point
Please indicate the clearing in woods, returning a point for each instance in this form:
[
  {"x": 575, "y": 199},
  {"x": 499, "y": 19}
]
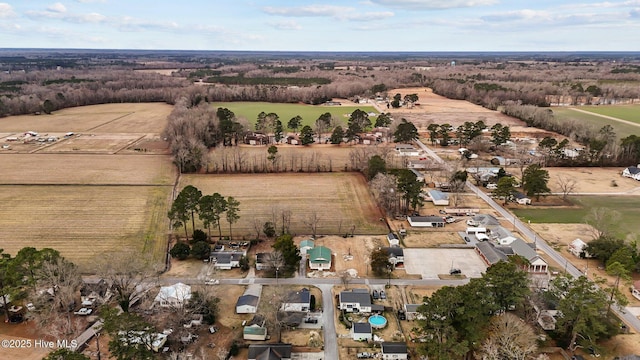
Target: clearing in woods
[{"x": 340, "y": 200}]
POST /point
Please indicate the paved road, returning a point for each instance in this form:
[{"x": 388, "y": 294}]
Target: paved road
[
  {"x": 541, "y": 244},
  {"x": 328, "y": 322}
]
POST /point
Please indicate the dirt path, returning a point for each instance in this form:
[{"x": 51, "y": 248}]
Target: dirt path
[{"x": 606, "y": 117}]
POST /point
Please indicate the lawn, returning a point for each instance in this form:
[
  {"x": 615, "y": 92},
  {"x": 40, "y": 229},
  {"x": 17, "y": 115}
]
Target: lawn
[
  {"x": 622, "y": 129},
  {"x": 627, "y": 206},
  {"x": 309, "y": 113},
  {"x": 624, "y": 112}
]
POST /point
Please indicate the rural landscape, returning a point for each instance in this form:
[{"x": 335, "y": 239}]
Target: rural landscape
[{"x": 217, "y": 205}]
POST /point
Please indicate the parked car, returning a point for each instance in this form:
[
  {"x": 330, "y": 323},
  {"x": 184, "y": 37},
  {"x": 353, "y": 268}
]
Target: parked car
[
  {"x": 382, "y": 294},
  {"x": 449, "y": 219},
  {"x": 212, "y": 282},
  {"x": 466, "y": 238},
  {"x": 311, "y": 320},
  {"x": 212, "y": 329},
  {"x": 455, "y": 271},
  {"x": 402, "y": 315},
  {"x": 471, "y": 222},
  {"x": 375, "y": 295},
  {"x": 364, "y": 355},
  {"x": 218, "y": 248}
]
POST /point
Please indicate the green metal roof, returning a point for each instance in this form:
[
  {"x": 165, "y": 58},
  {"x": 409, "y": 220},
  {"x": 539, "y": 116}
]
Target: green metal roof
[
  {"x": 320, "y": 255},
  {"x": 254, "y": 330}
]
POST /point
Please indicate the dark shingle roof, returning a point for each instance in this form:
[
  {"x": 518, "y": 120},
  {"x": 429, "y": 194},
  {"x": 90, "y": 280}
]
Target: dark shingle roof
[
  {"x": 362, "y": 298},
  {"x": 269, "y": 351},
  {"x": 394, "y": 348},
  {"x": 361, "y": 328},
  {"x": 394, "y": 250},
  {"x": 247, "y": 300}
]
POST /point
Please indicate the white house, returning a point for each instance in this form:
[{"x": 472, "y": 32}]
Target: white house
[
  {"x": 426, "y": 221},
  {"x": 536, "y": 263},
  {"x": 297, "y": 301},
  {"x": 356, "y": 300},
  {"x": 522, "y": 199},
  {"x": 393, "y": 239},
  {"x": 439, "y": 198},
  {"x": 394, "y": 351},
  {"x": 247, "y": 304},
  {"x": 319, "y": 258},
  {"x": 578, "y": 248},
  {"x": 226, "y": 260},
  {"x": 176, "y": 295},
  {"x": 262, "y": 261},
  {"x": 632, "y": 172},
  {"x": 361, "y": 332},
  {"x": 396, "y": 255},
  {"x": 635, "y": 290}
]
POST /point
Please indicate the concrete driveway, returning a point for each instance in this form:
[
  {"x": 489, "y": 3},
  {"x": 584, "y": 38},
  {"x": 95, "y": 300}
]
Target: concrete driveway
[{"x": 433, "y": 262}]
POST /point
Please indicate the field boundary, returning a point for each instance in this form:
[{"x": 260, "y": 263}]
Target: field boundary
[
  {"x": 110, "y": 121},
  {"x": 605, "y": 116}
]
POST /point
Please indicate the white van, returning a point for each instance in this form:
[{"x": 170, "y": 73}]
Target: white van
[
  {"x": 476, "y": 230},
  {"x": 482, "y": 237}
]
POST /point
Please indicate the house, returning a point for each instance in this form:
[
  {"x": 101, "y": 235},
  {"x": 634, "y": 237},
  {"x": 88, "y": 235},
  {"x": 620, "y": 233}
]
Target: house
[
  {"x": 394, "y": 350},
  {"x": 439, "y": 198},
  {"x": 393, "y": 239},
  {"x": 306, "y": 245},
  {"x": 361, "y": 332},
  {"x": 418, "y": 174},
  {"x": 93, "y": 291},
  {"x": 426, "y": 221},
  {"x": 255, "y": 329},
  {"x": 356, "y": 300},
  {"x": 536, "y": 263},
  {"x": 407, "y": 150},
  {"x": 262, "y": 261},
  {"x": 292, "y": 140},
  {"x": 176, "y": 295},
  {"x": 521, "y": 198},
  {"x": 297, "y": 301},
  {"x": 276, "y": 351},
  {"x": 486, "y": 220},
  {"x": 319, "y": 258},
  {"x": 396, "y": 255},
  {"x": 578, "y": 248},
  {"x": 489, "y": 254},
  {"x": 247, "y": 304},
  {"x": 635, "y": 290},
  {"x": 254, "y": 138},
  {"x": 225, "y": 260},
  {"x": 632, "y": 172},
  {"x": 411, "y": 312},
  {"x": 498, "y": 160},
  {"x": 502, "y": 236}
]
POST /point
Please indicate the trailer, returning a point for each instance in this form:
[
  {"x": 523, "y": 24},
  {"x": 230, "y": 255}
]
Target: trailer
[{"x": 461, "y": 211}]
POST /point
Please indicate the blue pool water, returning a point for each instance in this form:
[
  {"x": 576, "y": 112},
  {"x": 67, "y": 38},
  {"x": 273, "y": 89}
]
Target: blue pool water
[{"x": 377, "y": 321}]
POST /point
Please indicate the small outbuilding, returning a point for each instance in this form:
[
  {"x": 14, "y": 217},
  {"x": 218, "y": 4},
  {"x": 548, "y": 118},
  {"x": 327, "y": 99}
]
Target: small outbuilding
[
  {"x": 306, "y": 245},
  {"x": 394, "y": 351},
  {"x": 439, "y": 198},
  {"x": 361, "y": 332},
  {"x": 579, "y": 248}
]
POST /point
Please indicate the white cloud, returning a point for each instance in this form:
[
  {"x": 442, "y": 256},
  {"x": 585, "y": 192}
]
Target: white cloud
[
  {"x": 433, "y": 4},
  {"x": 286, "y": 25},
  {"x": 91, "y": 1},
  {"x": 6, "y": 11},
  {"x": 71, "y": 18},
  {"x": 57, "y": 8},
  {"x": 310, "y": 10},
  {"x": 336, "y": 12}
]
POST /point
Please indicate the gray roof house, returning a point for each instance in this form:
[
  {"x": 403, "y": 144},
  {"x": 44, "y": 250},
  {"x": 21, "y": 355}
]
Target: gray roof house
[
  {"x": 297, "y": 301},
  {"x": 358, "y": 300},
  {"x": 632, "y": 172},
  {"x": 394, "y": 350},
  {"x": 269, "y": 352},
  {"x": 361, "y": 332},
  {"x": 396, "y": 254},
  {"x": 426, "y": 221},
  {"x": 247, "y": 304}
]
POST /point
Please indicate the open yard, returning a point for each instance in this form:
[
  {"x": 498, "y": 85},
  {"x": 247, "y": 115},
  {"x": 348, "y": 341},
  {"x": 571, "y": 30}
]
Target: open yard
[
  {"x": 341, "y": 201},
  {"x": 309, "y": 113},
  {"x": 624, "y": 112}
]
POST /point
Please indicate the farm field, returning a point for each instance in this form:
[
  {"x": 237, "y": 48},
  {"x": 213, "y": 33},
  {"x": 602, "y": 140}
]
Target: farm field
[
  {"x": 81, "y": 169},
  {"x": 107, "y": 118},
  {"x": 309, "y": 113},
  {"x": 590, "y": 180},
  {"x": 83, "y": 222},
  {"x": 627, "y": 206},
  {"x": 621, "y": 129},
  {"x": 341, "y": 201}
]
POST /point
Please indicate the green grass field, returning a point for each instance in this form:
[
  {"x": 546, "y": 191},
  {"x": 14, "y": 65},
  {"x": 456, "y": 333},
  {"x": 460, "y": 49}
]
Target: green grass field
[
  {"x": 624, "y": 112},
  {"x": 309, "y": 113},
  {"x": 622, "y": 130},
  {"x": 627, "y": 206}
]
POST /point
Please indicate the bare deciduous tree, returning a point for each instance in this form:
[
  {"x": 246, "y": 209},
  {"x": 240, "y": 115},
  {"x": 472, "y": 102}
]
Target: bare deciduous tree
[
  {"x": 509, "y": 338},
  {"x": 312, "y": 221},
  {"x": 128, "y": 273},
  {"x": 385, "y": 189},
  {"x": 567, "y": 186},
  {"x": 603, "y": 221}
]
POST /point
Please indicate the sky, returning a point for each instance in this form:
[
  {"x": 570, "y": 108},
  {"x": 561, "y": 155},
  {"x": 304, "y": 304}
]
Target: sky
[{"x": 323, "y": 25}]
